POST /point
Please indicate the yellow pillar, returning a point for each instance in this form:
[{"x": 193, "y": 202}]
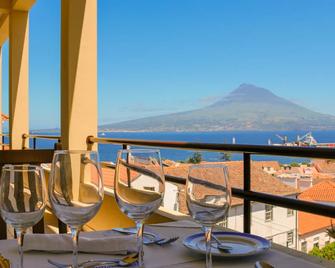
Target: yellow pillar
[
  {"x": 18, "y": 77},
  {"x": 78, "y": 72},
  {"x": 0, "y": 94}
]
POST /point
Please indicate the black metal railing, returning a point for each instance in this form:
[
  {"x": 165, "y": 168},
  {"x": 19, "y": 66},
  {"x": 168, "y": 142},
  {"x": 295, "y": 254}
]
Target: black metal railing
[
  {"x": 36, "y": 137},
  {"x": 3, "y": 144},
  {"x": 247, "y": 150}
]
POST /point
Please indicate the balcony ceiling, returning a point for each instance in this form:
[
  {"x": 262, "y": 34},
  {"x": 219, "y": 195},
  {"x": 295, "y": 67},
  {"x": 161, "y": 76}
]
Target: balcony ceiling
[{"x": 5, "y": 7}]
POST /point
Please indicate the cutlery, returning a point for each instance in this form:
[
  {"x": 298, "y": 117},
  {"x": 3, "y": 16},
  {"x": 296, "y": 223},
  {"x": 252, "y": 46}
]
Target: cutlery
[
  {"x": 148, "y": 237},
  {"x": 220, "y": 245},
  {"x": 263, "y": 264},
  {"x": 167, "y": 241},
  {"x": 112, "y": 262}
]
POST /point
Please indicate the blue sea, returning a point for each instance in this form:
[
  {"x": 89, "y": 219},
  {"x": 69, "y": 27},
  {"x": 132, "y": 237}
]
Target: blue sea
[{"x": 108, "y": 152}]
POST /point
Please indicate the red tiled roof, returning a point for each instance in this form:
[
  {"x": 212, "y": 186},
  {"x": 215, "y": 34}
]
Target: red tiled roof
[
  {"x": 324, "y": 166},
  {"x": 260, "y": 181},
  {"x": 274, "y": 164},
  {"x": 323, "y": 192},
  {"x": 4, "y": 117},
  {"x": 308, "y": 222}
]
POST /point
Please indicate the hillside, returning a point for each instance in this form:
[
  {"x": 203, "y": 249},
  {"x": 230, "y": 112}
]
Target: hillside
[{"x": 246, "y": 108}]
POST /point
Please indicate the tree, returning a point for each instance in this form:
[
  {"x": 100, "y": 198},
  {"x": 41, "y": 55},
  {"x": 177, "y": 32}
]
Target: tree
[
  {"x": 294, "y": 164},
  {"x": 327, "y": 252},
  {"x": 226, "y": 156},
  {"x": 196, "y": 158}
]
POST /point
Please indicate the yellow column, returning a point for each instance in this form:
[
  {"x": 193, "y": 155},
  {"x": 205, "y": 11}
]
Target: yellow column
[
  {"x": 0, "y": 94},
  {"x": 78, "y": 72},
  {"x": 18, "y": 77}
]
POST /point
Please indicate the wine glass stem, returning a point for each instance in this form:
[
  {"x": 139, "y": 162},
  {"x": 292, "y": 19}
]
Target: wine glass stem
[
  {"x": 208, "y": 238},
  {"x": 139, "y": 227},
  {"x": 75, "y": 236},
  {"x": 20, "y": 237}
]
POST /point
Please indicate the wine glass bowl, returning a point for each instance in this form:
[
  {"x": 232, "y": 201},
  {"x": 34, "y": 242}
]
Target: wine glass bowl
[
  {"x": 75, "y": 189},
  {"x": 22, "y": 198},
  {"x": 139, "y": 187},
  {"x": 208, "y": 198}
]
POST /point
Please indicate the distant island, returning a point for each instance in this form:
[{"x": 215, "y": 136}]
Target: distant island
[{"x": 248, "y": 107}]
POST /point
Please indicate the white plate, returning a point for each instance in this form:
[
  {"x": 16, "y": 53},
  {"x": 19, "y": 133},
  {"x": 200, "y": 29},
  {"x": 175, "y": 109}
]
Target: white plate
[{"x": 242, "y": 244}]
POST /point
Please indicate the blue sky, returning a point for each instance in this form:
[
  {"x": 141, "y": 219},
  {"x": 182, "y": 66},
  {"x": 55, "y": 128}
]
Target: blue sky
[{"x": 164, "y": 56}]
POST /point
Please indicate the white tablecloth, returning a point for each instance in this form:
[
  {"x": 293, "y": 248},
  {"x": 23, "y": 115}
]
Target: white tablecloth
[{"x": 176, "y": 255}]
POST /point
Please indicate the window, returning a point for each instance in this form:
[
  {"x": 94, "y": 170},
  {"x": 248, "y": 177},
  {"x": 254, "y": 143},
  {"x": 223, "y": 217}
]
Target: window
[
  {"x": 290, "y": 212},
  {"x": 304, "y": 246},
  {"x": 289, "y": 240},
  {"x": 316, "y": 242},
  {"x": 268, "y": 212}
]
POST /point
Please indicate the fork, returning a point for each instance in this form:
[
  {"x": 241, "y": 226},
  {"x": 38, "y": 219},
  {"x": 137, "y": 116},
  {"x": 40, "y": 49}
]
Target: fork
[
  {"x": 122, "y": 262},
  {"x": 166, "y": 241}
]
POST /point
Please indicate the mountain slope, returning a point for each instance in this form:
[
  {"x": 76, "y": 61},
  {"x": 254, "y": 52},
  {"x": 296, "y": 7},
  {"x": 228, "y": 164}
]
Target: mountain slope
[{"x": 246, "y": 108}]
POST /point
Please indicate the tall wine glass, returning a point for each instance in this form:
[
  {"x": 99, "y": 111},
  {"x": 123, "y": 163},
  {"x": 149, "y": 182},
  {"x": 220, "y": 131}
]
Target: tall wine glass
[
  {"x": 139, "y": 187},
  {"x": 75, "y": 190},
  {"x": 208, "y": 198},
  {"x": 22, "y": 198}
]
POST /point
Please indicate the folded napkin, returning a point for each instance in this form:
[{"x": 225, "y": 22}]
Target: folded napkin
[{"x": 93, "y": 242}]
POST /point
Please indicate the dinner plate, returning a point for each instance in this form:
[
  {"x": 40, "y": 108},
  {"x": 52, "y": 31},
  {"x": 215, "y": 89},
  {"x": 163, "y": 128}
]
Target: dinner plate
[{"x": 241, "y": 244}]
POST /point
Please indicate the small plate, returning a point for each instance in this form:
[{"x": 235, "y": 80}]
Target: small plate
[{"x": 242, "y": 244}]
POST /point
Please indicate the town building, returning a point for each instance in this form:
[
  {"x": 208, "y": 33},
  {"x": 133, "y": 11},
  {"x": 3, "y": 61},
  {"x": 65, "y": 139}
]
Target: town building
[
  {"x": 274, "y": 223},
  {"x": 312, "y": 229}
]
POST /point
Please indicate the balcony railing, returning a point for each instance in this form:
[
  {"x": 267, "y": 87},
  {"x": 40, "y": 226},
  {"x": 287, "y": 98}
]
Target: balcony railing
[
  {"x": 44, "y": 137},
  {"x": 3, "y": 144},
  {"x": 247, "y": 150}
]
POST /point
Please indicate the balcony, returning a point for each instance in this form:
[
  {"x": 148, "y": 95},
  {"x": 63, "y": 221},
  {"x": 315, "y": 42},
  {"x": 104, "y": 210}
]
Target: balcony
[{"x": 272, "y": 213}]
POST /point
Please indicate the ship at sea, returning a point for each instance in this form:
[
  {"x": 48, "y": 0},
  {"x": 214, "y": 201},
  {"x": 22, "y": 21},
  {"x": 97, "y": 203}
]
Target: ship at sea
[{"x": 306, "y": 140}]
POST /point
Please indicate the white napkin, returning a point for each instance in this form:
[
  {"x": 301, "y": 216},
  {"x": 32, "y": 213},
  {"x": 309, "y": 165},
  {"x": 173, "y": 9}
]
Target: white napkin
[{"x": 93, "y": 242}]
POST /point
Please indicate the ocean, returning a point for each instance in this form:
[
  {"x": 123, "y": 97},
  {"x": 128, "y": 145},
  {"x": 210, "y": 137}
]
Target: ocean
[{"x": 108, "y": 152}]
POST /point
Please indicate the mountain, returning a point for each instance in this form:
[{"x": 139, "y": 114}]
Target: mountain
[{"x": 246, "y": 108}]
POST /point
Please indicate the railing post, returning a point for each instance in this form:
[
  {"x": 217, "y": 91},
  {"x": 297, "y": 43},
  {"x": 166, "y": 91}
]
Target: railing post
[
  {"x": 3, "y": 142},
  {"x": 24, "y": 137},
  {"x": 246, "y": 188},
  {"x": 126, "y": 147},
  {"x": 34, "y": 143},
  {"x": 89, "y": 143},
  {"x": 58, "y": 145}
]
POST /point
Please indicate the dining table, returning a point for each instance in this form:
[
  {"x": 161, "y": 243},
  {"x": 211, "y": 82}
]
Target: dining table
[{"x": 176, "y": 254}]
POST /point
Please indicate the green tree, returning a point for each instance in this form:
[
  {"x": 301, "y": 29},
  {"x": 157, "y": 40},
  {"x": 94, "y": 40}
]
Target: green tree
[
  {"x": 196, "y": 158},
  {"x": 327, "y": 252},
  {"x": 294, "y": 164},
  {"x": 225, "y": 156}
]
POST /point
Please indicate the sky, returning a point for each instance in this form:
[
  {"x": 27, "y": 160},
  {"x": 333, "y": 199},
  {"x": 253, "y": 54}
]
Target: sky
[{"x": 158, "y": 57}]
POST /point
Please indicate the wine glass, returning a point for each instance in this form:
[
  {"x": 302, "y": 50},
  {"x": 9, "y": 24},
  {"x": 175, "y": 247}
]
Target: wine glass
[
  {"x": 139, "y": 187},
  {"x": 208, "y": 198},
  {"x": 75, "y": 190},
  {"x": 22, "y": 198}
]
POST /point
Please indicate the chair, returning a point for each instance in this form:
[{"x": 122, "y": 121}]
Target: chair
[{"x": 34, "y": 157}]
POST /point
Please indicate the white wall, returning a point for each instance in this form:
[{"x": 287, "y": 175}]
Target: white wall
[
  {"x": 171, "y": 190},
  {"x": 321, "y": 236},
  {"x": 276, "y": 229}
]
